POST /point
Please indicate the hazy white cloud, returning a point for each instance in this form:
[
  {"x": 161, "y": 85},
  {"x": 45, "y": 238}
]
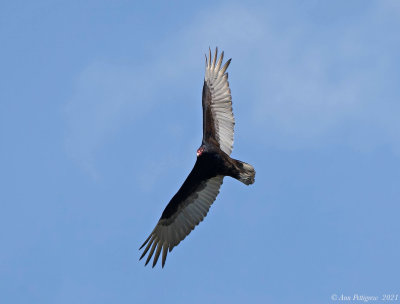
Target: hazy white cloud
[
  {"x": 105, "y": 96},
  {"x": 300, "y": 85},
  {"x": 340, "y": 83},
  {"x": 306, "y": 86}
]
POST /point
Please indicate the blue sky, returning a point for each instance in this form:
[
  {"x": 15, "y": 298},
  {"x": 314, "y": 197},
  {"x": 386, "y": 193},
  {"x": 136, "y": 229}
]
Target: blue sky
[{"x": 100, "y": 119}]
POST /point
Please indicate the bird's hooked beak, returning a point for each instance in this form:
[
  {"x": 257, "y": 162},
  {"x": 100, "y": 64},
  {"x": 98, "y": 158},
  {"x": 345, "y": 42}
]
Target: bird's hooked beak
[{"x": 200, "y": 151}]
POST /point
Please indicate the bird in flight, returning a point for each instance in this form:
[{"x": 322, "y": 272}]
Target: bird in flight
[{"x": 191, "y": 203}]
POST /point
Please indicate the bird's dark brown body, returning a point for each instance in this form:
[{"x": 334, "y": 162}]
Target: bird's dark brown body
[{"x": 209, "y": 164}]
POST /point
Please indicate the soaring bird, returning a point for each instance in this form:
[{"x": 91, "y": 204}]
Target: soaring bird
[{"x": 191, "y": 203}]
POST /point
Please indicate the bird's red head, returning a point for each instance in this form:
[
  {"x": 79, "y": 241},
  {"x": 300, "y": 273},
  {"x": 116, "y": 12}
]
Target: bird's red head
[{"x": 200, "y": 151}]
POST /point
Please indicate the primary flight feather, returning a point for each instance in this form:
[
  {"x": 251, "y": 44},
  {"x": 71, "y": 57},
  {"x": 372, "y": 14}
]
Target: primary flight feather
[{"x": 191, "y": 203}]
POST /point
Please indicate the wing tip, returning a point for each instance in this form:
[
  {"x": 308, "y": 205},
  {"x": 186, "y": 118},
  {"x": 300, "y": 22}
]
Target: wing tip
[
  {"x": 226, "y": 65},
  {"x": 212, "y": 63},
  {"x": 215, "y": 57},
  {"x": 145, "y": 242}
]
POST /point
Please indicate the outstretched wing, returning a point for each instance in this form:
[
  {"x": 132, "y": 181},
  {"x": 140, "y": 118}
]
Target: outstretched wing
[
  {"x": 218, "y": 120},
  {"x": 186, "y": 210}
]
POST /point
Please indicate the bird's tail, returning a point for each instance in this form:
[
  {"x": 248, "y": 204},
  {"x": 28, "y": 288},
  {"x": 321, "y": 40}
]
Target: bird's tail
[{"x": 246, "y": 172}]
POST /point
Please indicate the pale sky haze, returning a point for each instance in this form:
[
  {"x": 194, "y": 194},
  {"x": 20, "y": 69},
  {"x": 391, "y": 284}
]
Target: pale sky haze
[{"x": 100, "y": 119}]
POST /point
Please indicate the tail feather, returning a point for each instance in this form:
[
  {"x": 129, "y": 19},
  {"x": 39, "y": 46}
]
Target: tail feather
[{"x": 246, "y": 173}]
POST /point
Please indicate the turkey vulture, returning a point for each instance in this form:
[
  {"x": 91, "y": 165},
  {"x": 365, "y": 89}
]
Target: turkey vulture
[{"x": 191, "y": 203}]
